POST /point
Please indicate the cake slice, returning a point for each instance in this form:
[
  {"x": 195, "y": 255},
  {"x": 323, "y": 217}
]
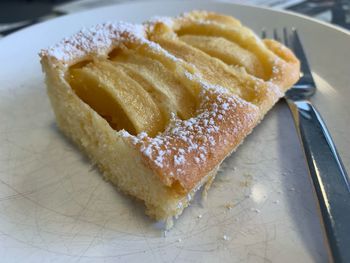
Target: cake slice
[{"x": 159, "y": 106}]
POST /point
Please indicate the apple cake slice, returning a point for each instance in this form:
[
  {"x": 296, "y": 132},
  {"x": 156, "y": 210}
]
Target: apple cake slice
[{"x": 159, "y": 106}]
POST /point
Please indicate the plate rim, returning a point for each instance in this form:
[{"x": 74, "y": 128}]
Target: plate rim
[{"x": 152, "y": 2}]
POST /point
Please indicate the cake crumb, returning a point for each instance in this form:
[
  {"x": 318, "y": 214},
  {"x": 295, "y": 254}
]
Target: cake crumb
[
  {"x": 255, "y": 210},
  {"x": 225, "y": 237},
  {"x": 229, "y": 206}
]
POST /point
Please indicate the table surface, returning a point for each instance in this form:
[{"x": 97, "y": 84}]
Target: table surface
[
  {"x": 56, "y": 207},
  {"x": 29, "y": 13}
]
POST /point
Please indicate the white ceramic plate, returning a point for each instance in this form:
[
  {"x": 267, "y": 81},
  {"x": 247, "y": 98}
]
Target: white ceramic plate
[{"x": 56, "y": 207}]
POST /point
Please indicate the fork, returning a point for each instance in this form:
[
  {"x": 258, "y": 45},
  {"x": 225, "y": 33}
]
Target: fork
[{"x": 327, "y": 172}]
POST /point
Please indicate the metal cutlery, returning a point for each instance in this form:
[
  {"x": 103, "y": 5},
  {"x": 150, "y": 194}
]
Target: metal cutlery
[{"x": 330, "y": 180}]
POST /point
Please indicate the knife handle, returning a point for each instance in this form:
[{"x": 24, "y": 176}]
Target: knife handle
[{"x": 330, "y": 180}]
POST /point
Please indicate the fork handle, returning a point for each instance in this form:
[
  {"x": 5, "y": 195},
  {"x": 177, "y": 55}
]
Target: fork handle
[{"x": 328, "y": 175}]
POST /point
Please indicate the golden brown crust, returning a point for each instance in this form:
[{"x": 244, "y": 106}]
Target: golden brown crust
[
  {"x": 283, "y": 63},
  {"x": 199, "y": 144},
  {"x": 188, "y": 150},
  {"x": 284, "y": 72}
]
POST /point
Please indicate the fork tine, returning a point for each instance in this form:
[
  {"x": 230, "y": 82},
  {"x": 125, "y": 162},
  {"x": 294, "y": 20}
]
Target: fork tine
[
  {"x": 263, "y": 32},
  {"x": 297, "y": 48},
  {"x": 275, "y": 35},
  {"x": 285, "y": 37}
]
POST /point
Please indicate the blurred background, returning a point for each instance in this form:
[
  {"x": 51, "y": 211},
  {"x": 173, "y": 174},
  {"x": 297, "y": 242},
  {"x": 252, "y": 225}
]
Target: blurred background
[{"x": 17, "y": 14}]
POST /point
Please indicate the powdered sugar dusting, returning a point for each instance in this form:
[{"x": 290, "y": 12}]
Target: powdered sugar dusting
[
  {"x": 188, "y": 143},
  {"x": 157, "y": 48},
  {"x": 100, "y": 39},
  {"x": 97, "y": 39},
  {"x": 275, "y": 89},
  {"x": 221, "y": 121},
  {"x": 166, "y": 20}
]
